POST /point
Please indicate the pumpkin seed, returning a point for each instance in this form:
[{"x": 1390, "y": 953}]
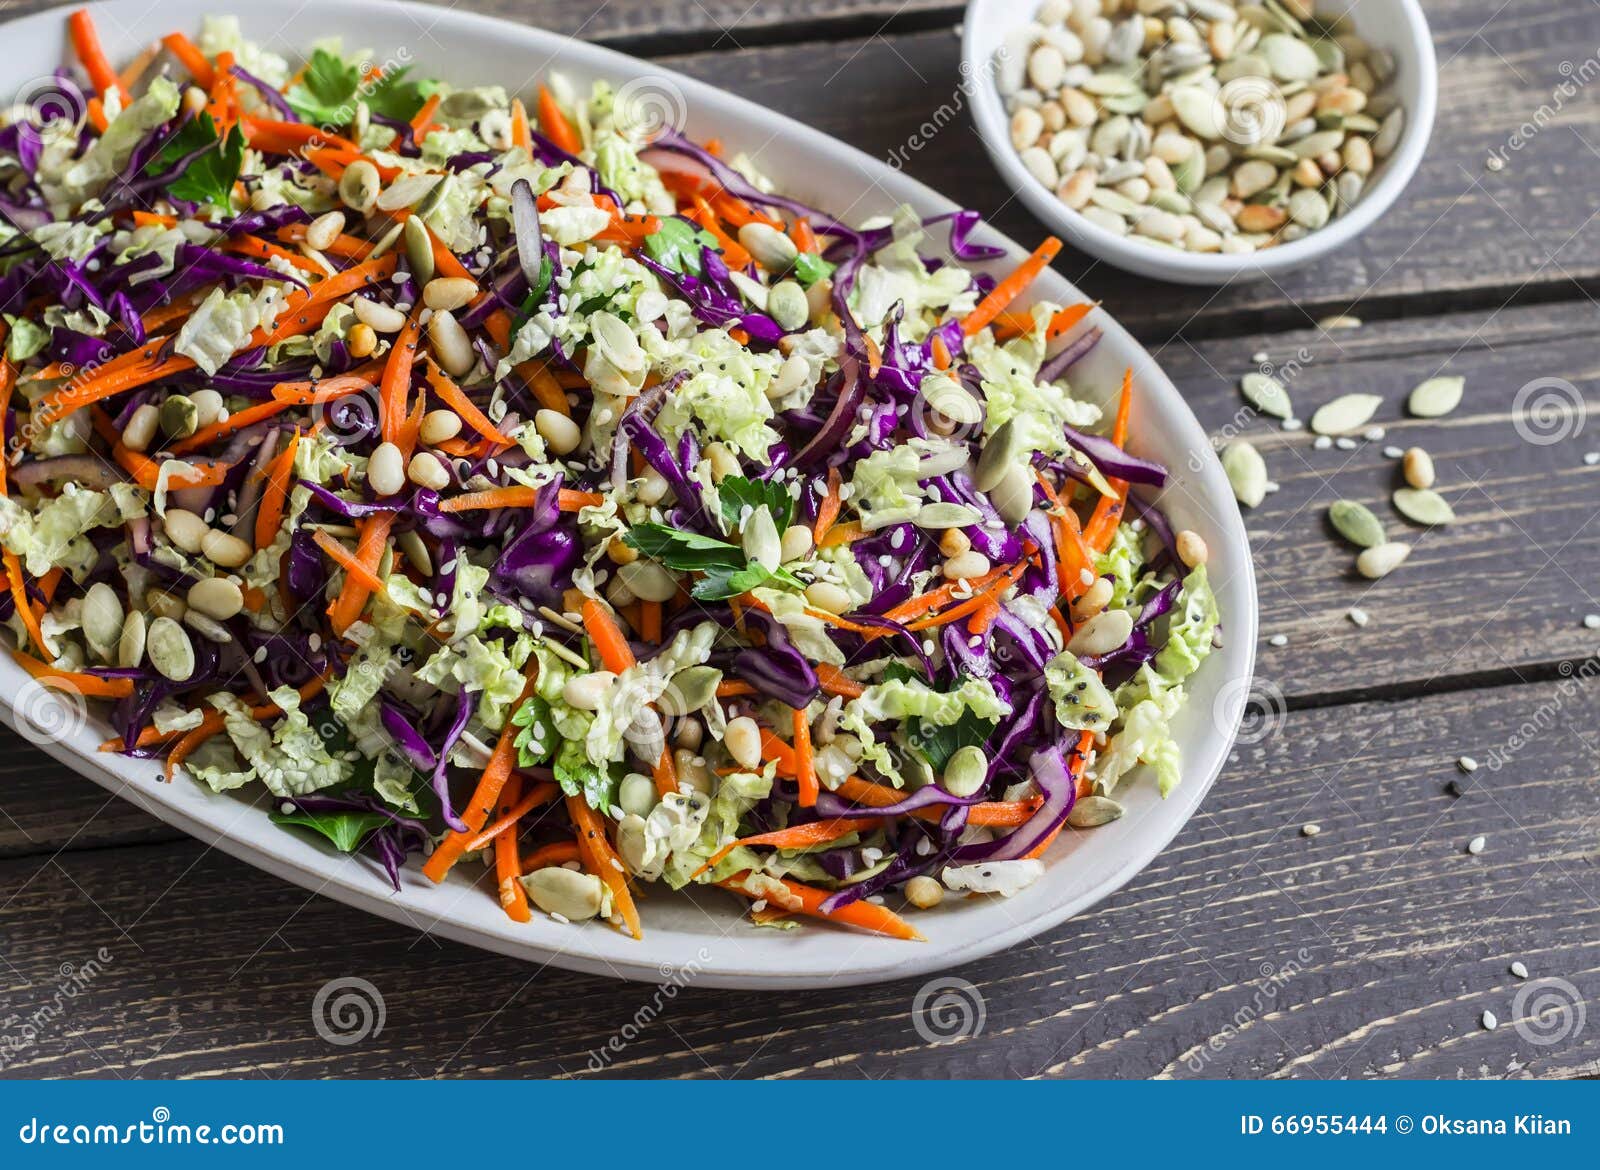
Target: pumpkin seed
[
  {"x": 690, "y": 689},
  {"x": 1356, "y": 523},
  {"x": 1423, "y": 505},
  {"x": 946, "y": 515},
  {"x": 566, "y": 892},
  {"x": 1197, "y": 109},
  {"x": 1090, "y": 812},
  {"x": 130, "y": 646},
  {"x": 170, "y": 650},
  {"x": 1436, "y": 397},
  {"x": 1290, "y": 59},
  {"x": 1000, "y": 451},
  {"x": 1348, "y": 413},
  {"x": 1246, "y": 471},
  {"x": 1382, "y": 560},
  {"x": 419, "y": 249},
  {"x": 1267, "y": 395},
  {"x": 966, "y": 772},
  {"x": 102, "y": 619},
  {"x": 1012, "y": 497}
]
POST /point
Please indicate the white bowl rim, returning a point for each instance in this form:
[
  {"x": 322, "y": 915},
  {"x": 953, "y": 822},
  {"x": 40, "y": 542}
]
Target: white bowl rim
[
  {"x": 988, "y": 113},
  {"x": 247, "y": 834}
]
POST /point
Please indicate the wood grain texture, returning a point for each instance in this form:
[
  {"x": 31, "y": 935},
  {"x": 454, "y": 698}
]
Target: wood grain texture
[{"x": 1245, "y": 949}]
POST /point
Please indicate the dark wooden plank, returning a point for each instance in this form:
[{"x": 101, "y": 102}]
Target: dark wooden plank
[{"x": 1246, "y": 949}]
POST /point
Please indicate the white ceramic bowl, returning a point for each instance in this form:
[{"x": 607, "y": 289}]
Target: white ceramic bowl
[
  {"x": 702, "y": 938},
  {"x": 1396, "y": 25}
]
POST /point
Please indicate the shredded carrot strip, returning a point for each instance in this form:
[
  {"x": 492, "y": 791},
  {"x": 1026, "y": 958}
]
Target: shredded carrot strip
[
  {"x": 347, "y": 561},
  {"x": 805, "y": 763},
  {"x": 665, "y": 774},
  {"x": 352, "y": 599},
  {"x": 837, "y": 682},
  {"x": 846, "y": 533},
  {"x": 86, "y": 43},
  {"x": 192, "y": 59},
  {"x": 555, "y": 125},
  {"x": 89, "y": 685},
  {"x": 1011, "y": 287},
  {"x": 456, "y": 398},
  {"x": 520, "y": 134},
  {"x": 941, "y": 353},
  {"x": 799, "y": 837},
  {"x": 507, "y": 497},
  {"x": 555, "y": 853},
  {"x": 275, "y": 493},
  {"x": 615, "y": 653},
  {"x": 863, "y": 914},
  {"x": 423, "y": 118},
  {"x": 483, "y": 799},
  {"x": 507, "y": 861},
  {"x": 600, "y": 859},
  {"x": 828, "y": 511},
  {"x": 396, "y": 384}
]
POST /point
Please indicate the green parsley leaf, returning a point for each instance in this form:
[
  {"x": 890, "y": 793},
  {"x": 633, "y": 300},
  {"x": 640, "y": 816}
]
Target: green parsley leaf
[
  {"x": 684, "y": 551},
  {"x": 329, "y": 88},
  {"x": 578, "y": 777},
  {"x": 210, "y": 177},
  {"x": 676, "y": 245},
  {"x": 722, "y": 583},
  {"x": 736, "y": 491},
  {"x": 345, "y": 829},
  {"x": 538, "y": 740}
]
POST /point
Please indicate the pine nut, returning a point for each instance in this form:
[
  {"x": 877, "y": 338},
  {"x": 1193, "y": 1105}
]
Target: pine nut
[
  {"x": 954, "y": 542},
  {"x": 450, "y": 344},
  {"x": 208, "y": 407},
  {"x": 924, "y": 892},
  {"x": 386, "y": 473},
  {"x": 773, "y": 250},
  {"x": 826, "y": 596},
  {"x": 568, "y": 893},
  {"x": 1094, "y": 599},
  {"x": 1418, "y": 467},
  {"x": 448, "y": 293},
  {"x": 558, "y": 431},
  {"x": 216, "y": 597},
  {"x": 439, "y": 425},
  {"x": 225, "y": 549},
  {"x": 425, "y": 470},
  {"x": 185, "y": 529},
  {"x": 141, "y": 429},
  {"x": 743, "y": 741},
  {"x": 621, "y": 551},
  {"x": 324, "y": 230},
  {"x": 968, "y": 566},
  {"x": 689, "y": 734},
  {"x": 1192, "y": 549},
  {"x": 796, "y": 542},
  {"x": 382, "y": 318}
]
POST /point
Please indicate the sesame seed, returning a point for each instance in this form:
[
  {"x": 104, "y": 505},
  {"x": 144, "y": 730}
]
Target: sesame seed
[
  {"x": 1321, "y": 443},
  {"x": 1393, "y": 453},
  {"x": 1374, "y": 434},
  {"x": 1490, "y": 1023},
  {"x": 1310, "y": 829},
  {"x": 1591, "y": 459},
  {"x": 1345, "y": 443},
  {"x": 1475, "y": 846},
  {"x": 1591, "y": 621},
  {"x": 1358, "y": 616},
  {"x": 1519, "y": 969},
  {"x": 1467, "y": 764},
  {"x": 1278, "y": 640},
  {"x": 1293, "y": 424}
]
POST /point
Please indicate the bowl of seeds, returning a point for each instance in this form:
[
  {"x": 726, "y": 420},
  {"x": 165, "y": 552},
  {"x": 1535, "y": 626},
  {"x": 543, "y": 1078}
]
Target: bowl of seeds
[{"x": 1201, "y": 141}]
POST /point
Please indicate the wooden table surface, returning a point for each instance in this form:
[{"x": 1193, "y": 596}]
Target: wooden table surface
[{"x": 1246, "y": 949}]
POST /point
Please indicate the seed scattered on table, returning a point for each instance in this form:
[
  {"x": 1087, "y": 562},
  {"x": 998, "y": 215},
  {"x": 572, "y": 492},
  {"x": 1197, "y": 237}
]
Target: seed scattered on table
[
  {"x": 1475, "y": 846},
  {"x": 1467, "y": 764},
  {"x": 1358, "y": 616},
  {"x": 1278, "y": 640},
  {"x": 1591, "y": 621},
  {"x": 1310, "y": 829},
  {"x": 1519, "y": 969},
  {"x": 1489, "y": 1021}
]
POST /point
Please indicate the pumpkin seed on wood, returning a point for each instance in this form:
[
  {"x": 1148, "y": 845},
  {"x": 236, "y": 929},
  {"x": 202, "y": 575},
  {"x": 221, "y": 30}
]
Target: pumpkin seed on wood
[
  {"x": 1266, "y": 394},
  {"x": 1382, "y": 560},
  {"x": 1356, "y": 523},
  {"x": 1436, "y": 397},
  {"x": 1247, "y": 473},
  {"x": 1348, "y": 413},
  {"x": 1423, "y": 506}
]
